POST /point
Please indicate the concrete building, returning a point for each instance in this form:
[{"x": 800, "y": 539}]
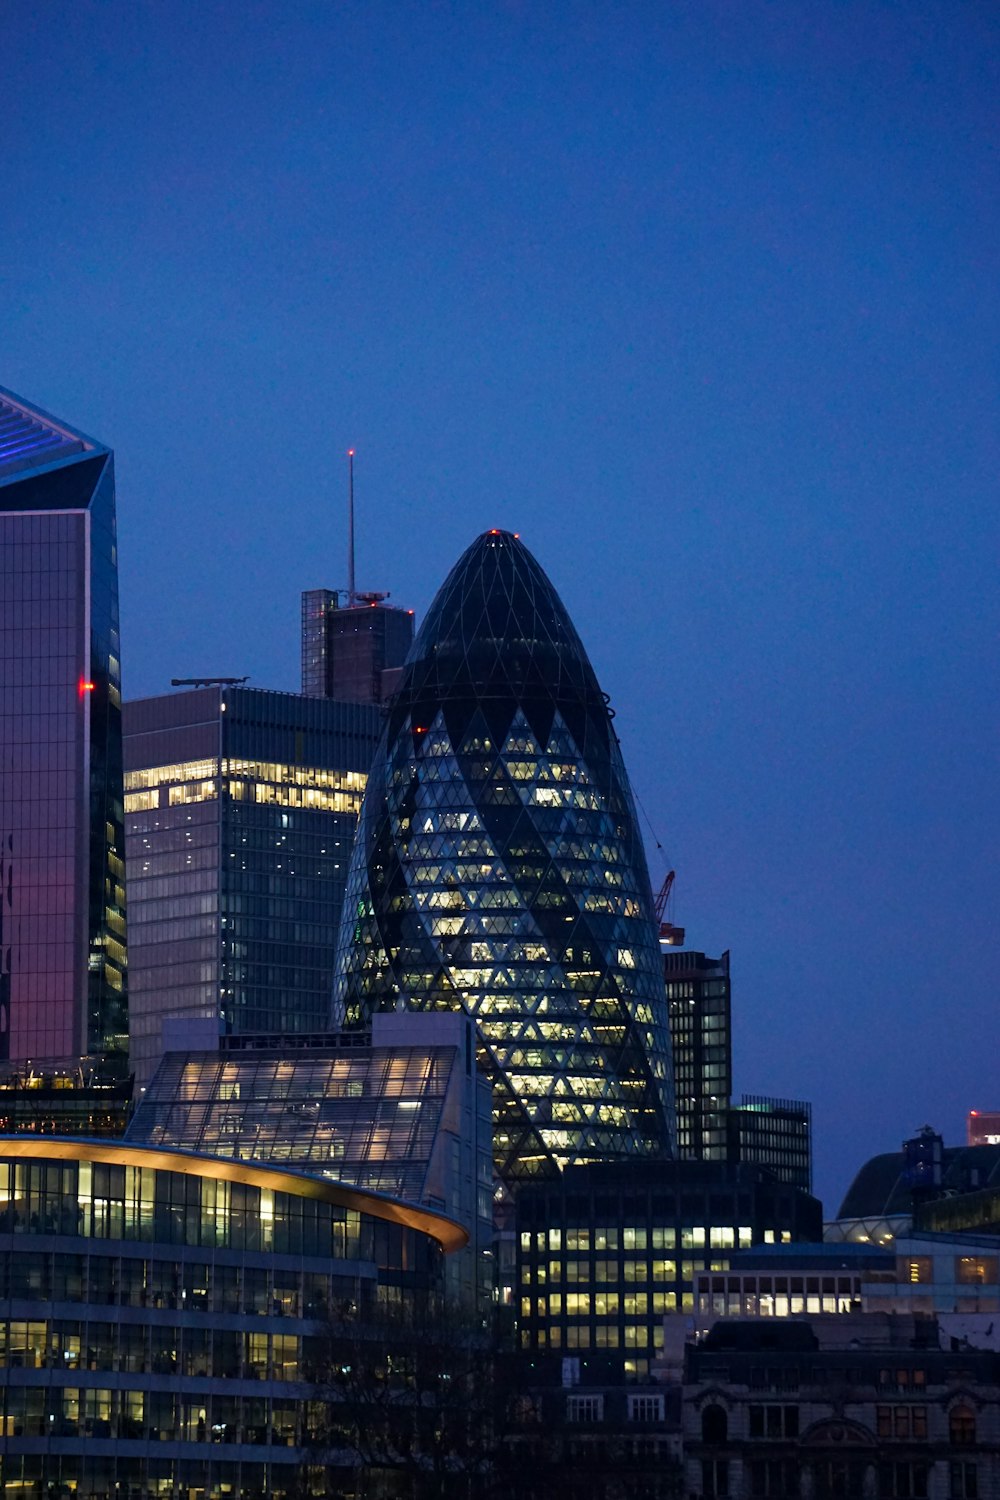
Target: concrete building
[{"x": 865, "y": 1405}]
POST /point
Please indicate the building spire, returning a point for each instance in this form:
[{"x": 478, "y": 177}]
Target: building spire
[{"x": 350, "y": 527}]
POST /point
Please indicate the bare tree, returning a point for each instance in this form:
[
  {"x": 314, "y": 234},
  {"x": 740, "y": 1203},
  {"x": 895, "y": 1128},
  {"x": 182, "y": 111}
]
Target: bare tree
[{"x": 410, "y": 1401}]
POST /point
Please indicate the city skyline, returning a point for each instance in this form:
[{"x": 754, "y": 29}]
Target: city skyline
[{"x": 700, "y": 303}]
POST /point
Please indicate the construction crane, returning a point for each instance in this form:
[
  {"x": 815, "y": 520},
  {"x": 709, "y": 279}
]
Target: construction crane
[{"x": 670, "y": 936}]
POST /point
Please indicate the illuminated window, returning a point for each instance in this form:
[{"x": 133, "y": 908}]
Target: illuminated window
[{"x": 976, "y": 1270}]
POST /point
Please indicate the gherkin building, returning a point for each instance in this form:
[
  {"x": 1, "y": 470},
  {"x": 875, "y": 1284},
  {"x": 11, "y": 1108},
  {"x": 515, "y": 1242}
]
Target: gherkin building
[{"x": 498, "y": 869}]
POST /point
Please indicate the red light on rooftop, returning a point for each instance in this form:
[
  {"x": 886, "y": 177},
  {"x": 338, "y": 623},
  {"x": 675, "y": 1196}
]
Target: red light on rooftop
[
  {"x": 494, "y": 531},
  {"x": 350, "y": 452}
]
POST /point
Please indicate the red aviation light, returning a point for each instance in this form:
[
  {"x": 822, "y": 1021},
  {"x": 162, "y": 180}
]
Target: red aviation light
[{"x": 85, "y": 687}]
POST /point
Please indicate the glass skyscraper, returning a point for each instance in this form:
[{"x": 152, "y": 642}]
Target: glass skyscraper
[
  {"x": 241, "y": 806},
  {"x": 498, "y": 869},
  {"x": 62, "y": 885}
]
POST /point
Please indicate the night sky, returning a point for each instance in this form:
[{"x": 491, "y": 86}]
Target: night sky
[{"x": 701, "y": 299}]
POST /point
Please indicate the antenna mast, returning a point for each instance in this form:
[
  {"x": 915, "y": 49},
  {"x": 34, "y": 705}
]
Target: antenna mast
[{"x": 350, "y": 526}]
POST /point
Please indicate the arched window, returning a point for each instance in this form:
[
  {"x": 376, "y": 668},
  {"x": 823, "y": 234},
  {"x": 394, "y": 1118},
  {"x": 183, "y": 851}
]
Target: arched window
[
  {"x": 962, "y": 1426},
  {"x": 714, "y": 1425}
]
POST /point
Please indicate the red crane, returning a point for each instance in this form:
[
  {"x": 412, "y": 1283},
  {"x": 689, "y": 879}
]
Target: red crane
[{"x": 670, "y": 936}]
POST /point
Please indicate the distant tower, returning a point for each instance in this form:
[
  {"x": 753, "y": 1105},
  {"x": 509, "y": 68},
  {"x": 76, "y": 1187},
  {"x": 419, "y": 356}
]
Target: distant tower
[
  {"x": 62, "y": 842},
  {"x": 698, "y": 1001},
  {"x": 352, "y": 651}
]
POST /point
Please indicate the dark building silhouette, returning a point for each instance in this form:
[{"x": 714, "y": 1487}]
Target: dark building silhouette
[
  {"x": 927, "y": 1185},
  {"x": 352, "y": 651},
  {"x": 772, "y": 1133},
  {"x": 241, "y": 807},
  {"x": 699, "y": 1004},
  {"x": 62, "y": 913},
  {"x": 867, "y": 1404},
  {"x": 499, "y": 870}
]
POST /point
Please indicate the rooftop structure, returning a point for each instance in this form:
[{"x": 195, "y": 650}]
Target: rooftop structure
[
  {"x": 352, "y": 651},
  {"x": 879, "y": 1204}
]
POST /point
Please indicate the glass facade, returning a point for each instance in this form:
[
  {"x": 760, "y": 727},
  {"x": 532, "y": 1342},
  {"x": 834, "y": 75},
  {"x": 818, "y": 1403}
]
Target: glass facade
[
  {"x": 773, "y": 1133},
  {"x": 404, "y": 1112},
  {"x": 162, "y": 1319},
  {"x": 606, "y": 1252},
  {"x": 62, "y": 909},
  {"x": 241, "y": 807},
  {"x": 369, "y": 1119},
  {"x": 498, "y": 870},
  {"x": 699, "y": 1003}
]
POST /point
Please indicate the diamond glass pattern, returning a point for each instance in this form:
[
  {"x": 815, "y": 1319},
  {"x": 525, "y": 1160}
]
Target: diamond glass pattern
[{"x": 498, "y": 869}]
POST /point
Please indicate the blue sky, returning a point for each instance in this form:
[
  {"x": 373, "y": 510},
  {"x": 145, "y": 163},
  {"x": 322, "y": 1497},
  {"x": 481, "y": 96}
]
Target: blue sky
[{"x": 700, "y": 298}]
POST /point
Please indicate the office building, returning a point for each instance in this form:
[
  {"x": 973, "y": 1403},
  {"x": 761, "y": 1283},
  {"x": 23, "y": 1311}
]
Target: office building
[
  {"x": 499, "y": 870},
  {"x": 165, "y": 1318},
  {"x": 773, "y": 1133},
  {"x": 759, "y": 1130},
  {"x": 403, "y": 1112},
  {"x": 352, "y": 651},
  {"x": 791, "y": 1281},
  {"x": 63, "y": 1004},
  {"x": 606, "y": 1251},
  {"x": 699, "y": 1006},
  {"x": 241, "y": 807}
]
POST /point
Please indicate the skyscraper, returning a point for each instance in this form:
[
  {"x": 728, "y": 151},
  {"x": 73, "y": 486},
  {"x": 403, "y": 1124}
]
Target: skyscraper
[
  {"x": 698, "y": 1002},
  {"x": 62, "y": 895},
  {"x": 241, "y": 807},
  {"x": 352, "y": 651},
  {"x": 499, "y": 870}
]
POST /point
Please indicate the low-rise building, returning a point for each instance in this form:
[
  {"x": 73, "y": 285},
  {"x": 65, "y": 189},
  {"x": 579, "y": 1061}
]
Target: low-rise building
[{"x": 869, "y": 1405}]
